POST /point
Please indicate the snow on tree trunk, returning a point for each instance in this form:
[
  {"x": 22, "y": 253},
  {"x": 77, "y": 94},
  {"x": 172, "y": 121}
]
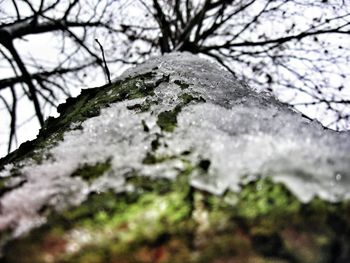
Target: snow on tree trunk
[{"x": 177, "y": 161}]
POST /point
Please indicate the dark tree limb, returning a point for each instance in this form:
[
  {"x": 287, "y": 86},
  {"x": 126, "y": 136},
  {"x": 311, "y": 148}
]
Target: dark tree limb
[{"x": 32, "y": 90}]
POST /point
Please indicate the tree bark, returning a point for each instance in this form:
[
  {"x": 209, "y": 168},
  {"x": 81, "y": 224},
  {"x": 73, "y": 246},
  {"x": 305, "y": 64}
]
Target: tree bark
[{"x": 177, "y": 161}]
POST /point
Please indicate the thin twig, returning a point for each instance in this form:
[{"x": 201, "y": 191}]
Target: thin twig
[{"x": 104, "y": 61}]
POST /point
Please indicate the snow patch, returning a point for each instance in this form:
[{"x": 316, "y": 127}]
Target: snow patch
[{"x": 242, "y": 134}]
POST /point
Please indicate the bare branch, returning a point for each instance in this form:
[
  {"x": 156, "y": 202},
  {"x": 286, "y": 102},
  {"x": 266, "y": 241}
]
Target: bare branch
[{"x": 104, "y": 61}]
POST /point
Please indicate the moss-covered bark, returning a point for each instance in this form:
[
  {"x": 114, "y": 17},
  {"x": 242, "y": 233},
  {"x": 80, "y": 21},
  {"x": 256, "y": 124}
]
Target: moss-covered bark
[
  {"x": 165, "y": 221},
  {"x": 156, "y": 219},
  {"x": 76, "y": 110}
]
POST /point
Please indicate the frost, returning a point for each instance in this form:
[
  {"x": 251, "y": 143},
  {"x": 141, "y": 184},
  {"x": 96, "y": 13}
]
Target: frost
[
  {"x": 238, "y": 134},
  {"x": 262, "y": 142},
  {"x": 116, "y": 133}
]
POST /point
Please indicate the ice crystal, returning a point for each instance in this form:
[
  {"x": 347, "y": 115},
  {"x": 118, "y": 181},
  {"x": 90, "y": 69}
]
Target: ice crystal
[{"x": 234, "y": 133}]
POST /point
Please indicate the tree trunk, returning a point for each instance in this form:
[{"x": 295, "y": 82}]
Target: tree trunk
[{"x": 177, "y": 161}]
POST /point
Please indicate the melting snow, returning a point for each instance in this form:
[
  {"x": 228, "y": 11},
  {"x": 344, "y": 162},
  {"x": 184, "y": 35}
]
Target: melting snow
[{"x": 244, "y": 135}]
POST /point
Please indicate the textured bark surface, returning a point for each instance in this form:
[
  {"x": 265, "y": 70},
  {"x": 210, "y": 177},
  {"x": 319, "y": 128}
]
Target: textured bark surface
[{"x": 177, "y": 161}]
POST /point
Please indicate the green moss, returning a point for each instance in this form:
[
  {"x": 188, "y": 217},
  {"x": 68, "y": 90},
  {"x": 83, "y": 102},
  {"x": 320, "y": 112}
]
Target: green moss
[
  {"x": 90, "y": 172},
  {"x": 167, "y": 120},
  {"x": 181, "y": 84},
  {"x": 153, "y": 158},
  {"x": 160, "y": 185},
  {"x": 282, "y": 227},
  {"x": 188, "y": 98},
  {"x": 90, "y": 101},
  {"x": 170, "y": 221},
  {"x": 145, "y": 106},
  {"x": 3, "y": 187},
  {"x": 76, "y": 110},
  {"x": 265, "y": 198},
  {"x": 154, "y": 210}
]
